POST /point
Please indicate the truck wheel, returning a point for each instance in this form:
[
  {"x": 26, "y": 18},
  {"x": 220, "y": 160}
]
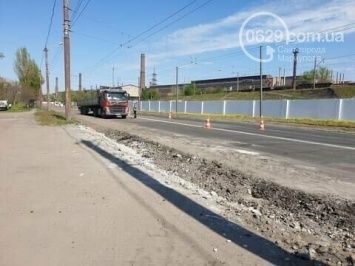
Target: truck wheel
[
  {"x": 124, "y": 116},
  {"x": 96, "y": 112}
]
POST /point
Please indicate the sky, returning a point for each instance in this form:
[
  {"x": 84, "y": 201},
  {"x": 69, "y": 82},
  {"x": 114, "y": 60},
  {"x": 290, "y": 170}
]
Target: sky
[{"x": 205, "y": 39}]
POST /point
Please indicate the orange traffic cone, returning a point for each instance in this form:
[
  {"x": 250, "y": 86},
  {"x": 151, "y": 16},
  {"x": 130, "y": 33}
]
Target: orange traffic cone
[
  {"x": 169, "y": 115},
  {"x": 262, "y": 126},
  {"x": 208, "y": 125}
]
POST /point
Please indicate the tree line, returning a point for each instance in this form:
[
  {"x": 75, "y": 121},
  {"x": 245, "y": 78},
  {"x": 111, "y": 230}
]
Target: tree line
[{"x": 30, "y": 80}]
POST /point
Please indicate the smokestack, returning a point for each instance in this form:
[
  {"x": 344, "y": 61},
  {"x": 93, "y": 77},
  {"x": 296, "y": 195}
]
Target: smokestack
[
  {"x": 80, "y": 82},
  {"x": 142, "y": 74}
]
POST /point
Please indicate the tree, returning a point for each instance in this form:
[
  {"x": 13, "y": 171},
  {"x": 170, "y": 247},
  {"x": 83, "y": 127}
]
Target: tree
[
  {"x": 322, "y": 75},
  {"x": 307, "y": 77},
  {"x": 9, "y": 90},
  {"x": 29, "y": 75},
  {"x": 189, "y": 90},
  {"x": 150, "y": 94},
  {"x": 154, "y": 94}
]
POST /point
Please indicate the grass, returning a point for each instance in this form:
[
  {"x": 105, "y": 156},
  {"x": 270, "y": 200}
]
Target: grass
[
  {"x": 343, "y": 91},
  {"x": 18, "y": 108},
  {"x": 51, "y": 118},
  {"x": 339, "y": 91}
]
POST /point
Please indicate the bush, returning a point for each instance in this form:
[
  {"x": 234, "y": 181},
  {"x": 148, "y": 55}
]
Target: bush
[
  {"x": 189, "y": 90},
  {"x": 150, "y": 94}
]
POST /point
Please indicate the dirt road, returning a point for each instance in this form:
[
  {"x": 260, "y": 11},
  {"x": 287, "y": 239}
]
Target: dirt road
[{"x": 66, "y": 200}]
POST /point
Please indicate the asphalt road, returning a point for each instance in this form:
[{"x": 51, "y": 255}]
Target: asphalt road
[
  {"x": 313, "y": 147},
  {"x": 319, "y": 147}
]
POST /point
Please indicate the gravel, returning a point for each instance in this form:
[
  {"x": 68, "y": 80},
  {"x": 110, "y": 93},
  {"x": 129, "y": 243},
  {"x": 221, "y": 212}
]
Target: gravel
[{"x": 313, "y": 227}]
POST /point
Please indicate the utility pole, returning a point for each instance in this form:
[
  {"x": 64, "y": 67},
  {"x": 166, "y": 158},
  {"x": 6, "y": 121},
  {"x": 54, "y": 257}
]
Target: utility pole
[
  {"x": 261, "y": 81},
  {"x": 284, "y": 82},
  {"x": 238, "y": 82},
  {"x": 177, "y": 89},
  {"x": 279, "y": 83},
  {"x": 47, "y": 75},
  {"x": 139, "y": 92},
  {"x": 113, "y": 76},
  {"x": 315, "y": 70},
  {"x": 331, "y": 76},
  {"x": 67, "y": 60},
  {"x": 142, "y": 77},
  {"x": 56, "y": 89},
  {"x": 39, "y": 96},
  {"x": 295, "y": 52}
]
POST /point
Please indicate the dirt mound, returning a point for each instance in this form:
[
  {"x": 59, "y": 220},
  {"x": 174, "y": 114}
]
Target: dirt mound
[{"x": 311, "y": 226}]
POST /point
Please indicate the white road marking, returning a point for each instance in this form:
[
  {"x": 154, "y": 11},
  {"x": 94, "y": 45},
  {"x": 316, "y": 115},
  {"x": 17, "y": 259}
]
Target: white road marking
[
  {"x": 258, "y": 135},
  {"x": 247, "y": 152}
]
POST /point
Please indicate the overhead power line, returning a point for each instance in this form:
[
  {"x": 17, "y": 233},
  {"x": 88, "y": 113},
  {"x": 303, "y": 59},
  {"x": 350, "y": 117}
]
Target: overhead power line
[
  {"x": 173, "y": 22},
  {"x": 77, "y": 18},
  {"x": 50, "y": 22},
  {"x": 76, "y": 9},
  {"x": 49, "y": 29},
  {"x": 103, "y": 24},
  {"x": 93, "y": 37},
  {"x": 161, "y": 22},
  {"x": 111, "y": 54}
]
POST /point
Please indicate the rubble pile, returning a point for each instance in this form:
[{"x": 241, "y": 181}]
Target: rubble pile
[{"x": 313, "y": 227}]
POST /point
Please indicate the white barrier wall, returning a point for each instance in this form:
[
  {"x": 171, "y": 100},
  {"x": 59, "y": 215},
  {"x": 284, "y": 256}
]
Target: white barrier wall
[
  {"x": 317, "y": 109},
  {"x": 333, "y": 109}
]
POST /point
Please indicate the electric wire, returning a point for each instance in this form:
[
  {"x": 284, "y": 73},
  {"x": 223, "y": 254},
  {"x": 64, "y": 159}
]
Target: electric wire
[
  {"x": 49, "y": 30},
  {"x": 77, "y": 18},
  {"x": 111, "y": 54}
]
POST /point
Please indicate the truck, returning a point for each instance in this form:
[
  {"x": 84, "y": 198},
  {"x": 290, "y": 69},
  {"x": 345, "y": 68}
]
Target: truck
[
  {"x": 4, "y": 105},
  {"x": 106, "y": 102}
]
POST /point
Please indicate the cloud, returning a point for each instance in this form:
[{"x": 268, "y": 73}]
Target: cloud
[{"x": 304, "y": 16}]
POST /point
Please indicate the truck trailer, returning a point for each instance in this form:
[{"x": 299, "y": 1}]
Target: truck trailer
[{"x": 106, "y": 102}]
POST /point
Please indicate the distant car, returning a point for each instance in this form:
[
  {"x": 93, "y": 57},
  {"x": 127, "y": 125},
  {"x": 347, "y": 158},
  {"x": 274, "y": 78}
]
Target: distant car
[
  {"x": 31, "y": 103},
  {"x": 4, "y": 105}
]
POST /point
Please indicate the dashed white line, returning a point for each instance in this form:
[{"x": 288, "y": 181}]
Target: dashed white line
[{"x": 256, "y": 134}]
